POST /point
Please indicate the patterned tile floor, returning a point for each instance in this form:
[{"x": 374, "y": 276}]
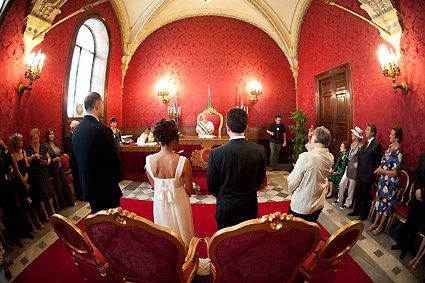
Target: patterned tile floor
[{"x": 372, "y": 252}]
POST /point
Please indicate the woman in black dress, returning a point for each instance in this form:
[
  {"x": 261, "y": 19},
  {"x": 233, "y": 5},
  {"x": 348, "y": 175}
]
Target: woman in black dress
[
  {"x": 24, "y": 191},
  {"x": 39, "y": 159},
  {"x": 57, "y": 172}
]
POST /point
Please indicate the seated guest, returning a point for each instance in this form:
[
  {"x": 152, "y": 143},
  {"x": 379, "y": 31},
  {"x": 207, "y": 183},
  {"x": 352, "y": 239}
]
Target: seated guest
[
  {"x": 388, "y": 181},
  {"x": 24, "y": 191},
  {"x": 115, "y": 131},
  {"x": 308, "y": 181},
  {"x": 338, "y": 170},
  {"x": 38, "y": 158},
  {"x": 416, "y": 216},
  {"x": 171, "y": 177},
  {"x": 146, "y": 136},
  {"x": 63, "y": 192},
  {"x": 204, "y": 127},
  {"x": 235, "y": 171},
  {"x": 350, "y": 176}
]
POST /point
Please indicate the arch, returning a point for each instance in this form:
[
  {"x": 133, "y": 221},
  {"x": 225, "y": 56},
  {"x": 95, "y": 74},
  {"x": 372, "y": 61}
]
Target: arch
[{"x": 88, "y": 64}]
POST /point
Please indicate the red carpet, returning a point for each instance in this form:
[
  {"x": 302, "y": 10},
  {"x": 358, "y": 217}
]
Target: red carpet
[{"x": 54, "y": 264}]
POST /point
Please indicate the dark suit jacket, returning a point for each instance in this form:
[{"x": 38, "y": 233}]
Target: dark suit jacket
[
  {"x": 235, "y": 172},
  {"x": 369, "y": 160},
  {"x": 98, "y": 162}
]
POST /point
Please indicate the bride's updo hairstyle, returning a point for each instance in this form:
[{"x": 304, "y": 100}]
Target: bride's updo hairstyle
[{"x": 166, "y": 131}]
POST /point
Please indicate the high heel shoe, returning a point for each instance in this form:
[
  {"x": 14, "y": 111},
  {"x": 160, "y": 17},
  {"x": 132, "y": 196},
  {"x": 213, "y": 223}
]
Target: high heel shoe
[{"x": 377, "y": 231}]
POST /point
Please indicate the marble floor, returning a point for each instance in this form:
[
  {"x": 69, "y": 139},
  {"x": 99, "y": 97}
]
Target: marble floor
[{"x": 372, "y": 252}]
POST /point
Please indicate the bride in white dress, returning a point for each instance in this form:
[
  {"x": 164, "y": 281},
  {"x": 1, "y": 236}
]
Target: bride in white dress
[{"x": 171, "y": 177}]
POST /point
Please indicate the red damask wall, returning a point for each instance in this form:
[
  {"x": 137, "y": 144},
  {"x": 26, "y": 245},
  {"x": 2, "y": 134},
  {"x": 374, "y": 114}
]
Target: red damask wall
[
  {"x": 217, "y": 51},
  {"x": 330, "y": 37},
  {"x": 43, "y": 107}
]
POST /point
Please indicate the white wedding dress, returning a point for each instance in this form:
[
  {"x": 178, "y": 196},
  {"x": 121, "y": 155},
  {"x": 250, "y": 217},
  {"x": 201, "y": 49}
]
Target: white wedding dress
[{"x": 171, "y": 205}]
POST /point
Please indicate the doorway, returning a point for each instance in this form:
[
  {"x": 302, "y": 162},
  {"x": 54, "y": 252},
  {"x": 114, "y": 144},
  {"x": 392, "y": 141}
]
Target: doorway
[{"x": 334, "y": 107}]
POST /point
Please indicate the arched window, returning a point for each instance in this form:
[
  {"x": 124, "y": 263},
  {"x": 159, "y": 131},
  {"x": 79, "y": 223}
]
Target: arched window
[{"x": 88, "y": 66}]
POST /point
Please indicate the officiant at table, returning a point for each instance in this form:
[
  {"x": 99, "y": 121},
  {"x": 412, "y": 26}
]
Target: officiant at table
[{"x": 204, "y": 127}]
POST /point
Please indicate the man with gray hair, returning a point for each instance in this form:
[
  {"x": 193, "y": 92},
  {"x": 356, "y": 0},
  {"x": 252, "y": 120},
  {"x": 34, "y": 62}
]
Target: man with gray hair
[{"x": 308, "y": 181}]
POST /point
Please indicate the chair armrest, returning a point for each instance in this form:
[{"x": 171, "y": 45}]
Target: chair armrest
[{"x": 191, "y": 252}]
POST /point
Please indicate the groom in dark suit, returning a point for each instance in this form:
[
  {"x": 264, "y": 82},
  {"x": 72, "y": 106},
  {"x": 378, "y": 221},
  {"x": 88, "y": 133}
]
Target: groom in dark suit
[
  {"x": 235, "y": 172},
  {"x": 97, "y": 157},
  {"x": 369, "y": 160}
]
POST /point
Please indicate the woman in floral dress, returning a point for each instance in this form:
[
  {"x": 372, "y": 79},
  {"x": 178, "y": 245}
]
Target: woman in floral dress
[{"x": 388, "y": 182}]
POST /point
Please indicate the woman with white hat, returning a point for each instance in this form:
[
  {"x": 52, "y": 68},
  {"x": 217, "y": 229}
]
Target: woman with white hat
[{"x": 350, "y": 176}]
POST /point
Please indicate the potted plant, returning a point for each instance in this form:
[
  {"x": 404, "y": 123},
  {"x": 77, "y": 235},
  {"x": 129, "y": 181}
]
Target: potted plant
[{"x": 300, "y": 132}]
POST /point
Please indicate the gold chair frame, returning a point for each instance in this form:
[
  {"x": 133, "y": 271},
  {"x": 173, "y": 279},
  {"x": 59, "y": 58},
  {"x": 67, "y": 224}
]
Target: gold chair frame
[
  {"x": 335, "y": 261},
  {"x": 390, "y": 222},
  {"x": 212, "y": 111},
  {"x": 400, "y": 191},
  {"x": 124, "y": 218},
  {"x": 271, "y": 223},
  {"x": 57, "y": 219}
]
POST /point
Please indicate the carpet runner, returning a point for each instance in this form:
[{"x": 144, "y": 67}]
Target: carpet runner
[{"x": 55, "y": 265}]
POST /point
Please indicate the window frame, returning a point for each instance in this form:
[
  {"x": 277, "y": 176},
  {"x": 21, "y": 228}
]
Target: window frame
[{"x": 72, "y": 44}]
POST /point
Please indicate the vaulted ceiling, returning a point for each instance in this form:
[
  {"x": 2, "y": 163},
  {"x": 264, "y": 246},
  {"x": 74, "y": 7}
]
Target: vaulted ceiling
[{"x": 281, "y": 20}]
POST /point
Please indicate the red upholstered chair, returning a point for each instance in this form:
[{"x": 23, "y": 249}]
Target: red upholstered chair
[
  {"x": 139, "y": 250},
  {"x": 329, "y": 254},
  {"x": 78, "y": 245},
  {"x": 68, "y": 173},
  {"x": 401, "y": 208},
  {"x": 267, "y": 249}
]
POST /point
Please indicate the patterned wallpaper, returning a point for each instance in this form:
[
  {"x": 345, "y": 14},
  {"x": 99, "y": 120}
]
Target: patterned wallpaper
[
  {"x": 330, "y": 37},
  {"x": 42, "y": 108},
  {"x": 217, "y": 51}
]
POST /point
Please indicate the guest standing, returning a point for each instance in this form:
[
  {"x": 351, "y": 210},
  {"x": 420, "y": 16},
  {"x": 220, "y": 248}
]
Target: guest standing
[
  {"x": 235, "y": 172},
  {"x": 171, "y": 177},
  {"x": 370, "y": 159},
  {"x": 67, "y": 147},
  {"x": 97, "y": 157},
  {"x": 416, "y": 216},
  {"x": 115, "y": 131},
  {"x": 350, "y": 176},
  {"x": 24, "y": 191},
  {"x": 39, "y": 159},
  {"x": 63, "y": 192},
  {"x": 388, "y": 181},
  {"x": 308, "y": 181},
  {"x": 277, "y": 131}
]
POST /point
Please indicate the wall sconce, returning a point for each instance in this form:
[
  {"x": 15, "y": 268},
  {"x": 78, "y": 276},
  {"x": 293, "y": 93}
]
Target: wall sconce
[
  {"x": 254, "y": 90},
  {"x": 391, "y": 68},
  {"x": 35, "y": 64},
  {"x": 163, "y": 90}
]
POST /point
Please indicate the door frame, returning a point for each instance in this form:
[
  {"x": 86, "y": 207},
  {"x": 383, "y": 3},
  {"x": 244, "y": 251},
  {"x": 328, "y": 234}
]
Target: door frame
[{"x": 343, "y": 68}]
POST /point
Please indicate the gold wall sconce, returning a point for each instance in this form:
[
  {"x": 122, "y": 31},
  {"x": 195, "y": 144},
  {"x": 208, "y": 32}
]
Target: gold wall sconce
[
  {"x": 163, "y": 89},
  {"x": 34, "y": 62},
  {"x": 390, "y": 68},
  {"x": 255, "y": 89}
]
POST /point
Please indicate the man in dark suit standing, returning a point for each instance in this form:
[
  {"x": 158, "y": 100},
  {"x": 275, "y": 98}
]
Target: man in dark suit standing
[
  {"x": 235, "y": 172},
  {"x": 369, "y": 160},
  {"x": 97, "y": 157}
]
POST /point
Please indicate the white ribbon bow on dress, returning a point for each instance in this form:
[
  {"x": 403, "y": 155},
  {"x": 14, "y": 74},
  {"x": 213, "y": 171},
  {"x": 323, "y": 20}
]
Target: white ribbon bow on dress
[{"x": 165, "y": 195}]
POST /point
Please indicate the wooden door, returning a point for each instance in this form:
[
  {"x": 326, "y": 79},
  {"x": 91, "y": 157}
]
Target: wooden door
[{"x": 334, "y": 105}]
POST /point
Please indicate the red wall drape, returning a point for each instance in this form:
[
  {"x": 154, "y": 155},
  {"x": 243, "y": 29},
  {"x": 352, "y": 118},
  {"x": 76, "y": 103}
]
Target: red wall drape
[
  {"x": 196, "y": 52},
  {"x": 330, "y": 37}
]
